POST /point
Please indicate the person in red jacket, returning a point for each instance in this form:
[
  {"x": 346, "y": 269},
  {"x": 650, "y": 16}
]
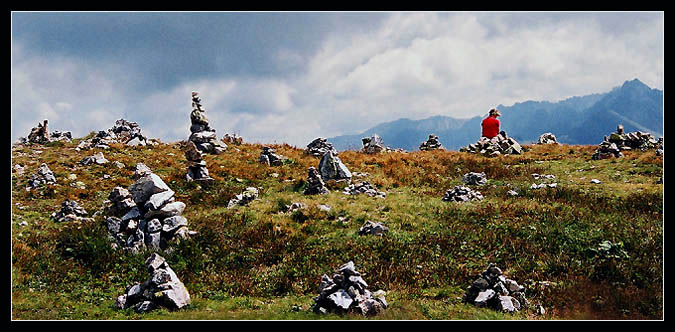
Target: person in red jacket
[{"x": 491, "y": 124}]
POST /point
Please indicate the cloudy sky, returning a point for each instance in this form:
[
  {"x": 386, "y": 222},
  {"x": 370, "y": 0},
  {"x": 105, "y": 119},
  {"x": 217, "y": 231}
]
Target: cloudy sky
[{"x": 293, "y": 76}]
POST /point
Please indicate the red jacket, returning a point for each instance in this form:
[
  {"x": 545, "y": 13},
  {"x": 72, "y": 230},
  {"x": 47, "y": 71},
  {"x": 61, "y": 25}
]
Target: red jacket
[{"x": 490, "y": 127}]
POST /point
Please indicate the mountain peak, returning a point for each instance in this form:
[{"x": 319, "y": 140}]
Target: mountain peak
[{"x": 634, "y": 84}]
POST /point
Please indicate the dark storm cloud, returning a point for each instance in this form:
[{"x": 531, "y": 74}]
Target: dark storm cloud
[{"x": 168, "y": 48}]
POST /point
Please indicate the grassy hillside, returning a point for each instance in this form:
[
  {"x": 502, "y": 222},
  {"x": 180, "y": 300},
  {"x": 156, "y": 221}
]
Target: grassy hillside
[{"x": 255, "y": 262}]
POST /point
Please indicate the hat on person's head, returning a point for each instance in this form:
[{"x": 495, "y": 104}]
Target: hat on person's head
[{"x": 495, "y": 112}]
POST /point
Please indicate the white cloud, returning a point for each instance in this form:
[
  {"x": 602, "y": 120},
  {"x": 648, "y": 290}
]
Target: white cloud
[{"x": 414, "y": 65}]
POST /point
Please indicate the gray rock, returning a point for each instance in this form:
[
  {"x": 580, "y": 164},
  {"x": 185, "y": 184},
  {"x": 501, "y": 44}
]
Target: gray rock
[
  {"x": 147, "y": 186},
  {"x": 483, "y": 297},
  {"x": 145, "y": 306},
  {"x": 154, "y": 226},
  {"x": 134, "y": 213},
  {"x": 507, "y": 304},
  {"x": 332, "y": 168},
  {"x": 474, "y": 178},
  {"x": 114, "y": 224},
  {"x": 341, "y": 299},
  {"x": 461, "y": 194},
  {"x": 141, "y": 171},
  {"x": 373, "y": 228},
  {"x": 319, "y": 146},
  {"x": 154, "y": 262},
  {"x": 121, "y": 302},
  {"x": 432, "y": 143},
  {"x": 250, "y": 194},
  {"x": 168, "y": 210},
  {"x": 156, "y": 201},
  {"x": 315, "y": 184},
  {"x": 172, "y": 223},
  {"x": 547, "y": 138}
]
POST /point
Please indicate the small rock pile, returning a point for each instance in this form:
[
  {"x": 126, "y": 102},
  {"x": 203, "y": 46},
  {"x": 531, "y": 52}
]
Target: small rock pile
[
  {"x": 41, "y": 135},
  {"x": 348, "y": 292},
  {"x": 150, "y": 216},
  {"x": 123, "y": 131},
  {"x": 201, "y": 134},
  {"x": 319, "y": 146},
  {"x": 631, "y": 141},
  {"x": 233, "y": 139},
  {"x": 496, "y": 146},
  {"x": 493, "y": 290},
  {"x": 295, "y": 206},
  {"x": 543, "y": 185},
  {"x": 197, "y": 170},
  {"x": 315, "y": 185},
  {"x": 431, "y": 144},
  {"x": 332, "y": 168},
  {"x": 270, "y": 158},
  {"x": 70, "y": 211},
  {"x": 374, "y": 144},
  {"x": 473, "y": 178},
  {"x": 607, "y": 150},
  {"x": 43, "y": 176},
  {"x": 364, "y": 188},
  {"x": 543, "y": 176},
  {"x": 97, "y": 158},
  {"x": 547, "y": 138},
  {"x": 461, "y": 194},
  {"x": 250, "y": 194},
  {"x": 162, "y": 289},
  {"x": 374, "y": 228}
]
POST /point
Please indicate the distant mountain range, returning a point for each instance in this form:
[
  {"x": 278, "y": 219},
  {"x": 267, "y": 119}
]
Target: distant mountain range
[{"x": 576, "y": 120}]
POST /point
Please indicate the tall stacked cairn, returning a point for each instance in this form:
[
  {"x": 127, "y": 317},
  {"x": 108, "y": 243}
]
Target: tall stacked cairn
[
  {"x": 197, "y": 170},
  {"x": 202, "y": 135},
  {"x": 270, "y": 158},
  {"x": 315, "y": 185},
  {"x": 374, "y": 144}
]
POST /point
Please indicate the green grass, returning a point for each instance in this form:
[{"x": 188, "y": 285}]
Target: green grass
[{"x": 256, "y": 262}]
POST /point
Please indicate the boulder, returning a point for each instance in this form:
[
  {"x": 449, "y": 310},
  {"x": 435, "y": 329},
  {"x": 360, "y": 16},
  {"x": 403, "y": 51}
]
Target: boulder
[
  {"x": 147, "y": 186},
  {"x": 332, "y": 168}
]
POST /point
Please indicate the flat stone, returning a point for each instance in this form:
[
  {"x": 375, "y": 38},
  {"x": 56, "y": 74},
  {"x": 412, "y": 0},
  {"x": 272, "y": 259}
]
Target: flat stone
[
  {"x": 483, "y": 297},
  {"x": 173, "y": 223},
  {"x": 168, "y": 210},
  {"x": 156, "y": 201},
  {"x": 341, "y": 299},
  {"x": 154, "y": 226},
  {"x": 147, "y": 186},
  {"x": 154, "y": 262}
]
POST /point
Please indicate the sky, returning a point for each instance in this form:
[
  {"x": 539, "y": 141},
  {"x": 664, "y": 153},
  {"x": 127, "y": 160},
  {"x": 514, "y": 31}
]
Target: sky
[{"x": 289, "y": 77}]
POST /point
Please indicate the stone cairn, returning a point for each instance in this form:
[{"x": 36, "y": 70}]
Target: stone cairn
[
  {"x": 123, "y": 131},
  {"x": 150, "y": 216},
  {"x": 431, "y": 144},
  {"x": 364, "y": 188},
  {"x": 250, "y": 194},
  {"x": 373, "y": 228},
  {"x": 332, "y": 168},
  {"x": 41, "y": 135},
  {"x": 319, "y": 146},
  {"x": 547, "y": 138},
  {"x": 498, "y": 145},
  {"x": 495, "y": 291},
  {"x": 315, "y": 185},
  {"x": 461, "y": 194},
  {"x": 70, "y": 211},
  {"x": 620, "y": 141},
  {"x": 97, "y": 158},
  {"x": 374, "y": 144},
  {"x": 201, "y": 134},
  {"x": 475, "y": 179},
  {"x": 347, "y": 292},
  {"x": 162, "y": 289},
  {"x": 197, "y": 170},
  {"x": 43, "y": 176},
  {"x": 270, "y": 158},
  {"x": 233, "y": 139}
]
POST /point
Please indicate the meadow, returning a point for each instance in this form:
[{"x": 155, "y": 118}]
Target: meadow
[{"x": 582, "y": 250}]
